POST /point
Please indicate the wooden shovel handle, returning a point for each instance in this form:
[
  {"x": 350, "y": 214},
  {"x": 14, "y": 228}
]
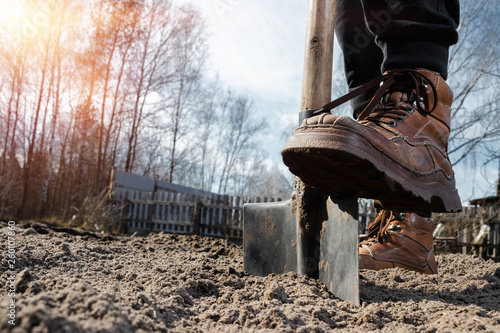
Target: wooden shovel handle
[{"x": 318, "y": 56}]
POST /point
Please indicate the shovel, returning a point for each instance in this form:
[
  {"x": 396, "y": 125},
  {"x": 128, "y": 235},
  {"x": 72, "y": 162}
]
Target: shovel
[{"x": 311, "y": 234}]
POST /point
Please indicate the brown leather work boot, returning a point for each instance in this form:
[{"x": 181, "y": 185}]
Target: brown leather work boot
[
  {"x": 396, "y": 150},
  {"x": 399, "y": 240}
]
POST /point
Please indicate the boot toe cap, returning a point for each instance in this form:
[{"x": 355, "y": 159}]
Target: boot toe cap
[
  {"x": 322, "y": 119},
  {"x": 366, "y": 261}
]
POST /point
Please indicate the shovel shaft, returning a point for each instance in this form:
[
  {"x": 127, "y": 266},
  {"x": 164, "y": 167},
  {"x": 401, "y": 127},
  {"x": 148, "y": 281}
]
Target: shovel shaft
[
  {"x": 316, "y": 92},
  {"x": 318, "y": 55}
]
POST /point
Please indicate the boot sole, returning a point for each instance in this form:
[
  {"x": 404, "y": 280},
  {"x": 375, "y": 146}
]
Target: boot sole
[{"x": 335, "y": 163}]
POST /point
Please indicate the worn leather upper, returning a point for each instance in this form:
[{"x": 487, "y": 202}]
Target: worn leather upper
[
  {"x": 404, "y": 240},
  {"x": 418, "y": 140}
]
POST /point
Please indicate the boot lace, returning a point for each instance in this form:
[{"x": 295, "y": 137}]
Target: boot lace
[
  {"x": 378, "y": 229},
  {"x": 391, "y": 113},
  {"x": 407, "y": 81}
]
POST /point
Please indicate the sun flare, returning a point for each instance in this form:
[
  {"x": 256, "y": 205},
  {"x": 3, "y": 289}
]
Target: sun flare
[
  {"x": 29, "y": 18},
  {"x": 10, "y": 11},
  {"x": 12, "y": 17}
]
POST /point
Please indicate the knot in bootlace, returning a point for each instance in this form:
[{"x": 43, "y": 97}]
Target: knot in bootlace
[{"x": 378, "y": 230}]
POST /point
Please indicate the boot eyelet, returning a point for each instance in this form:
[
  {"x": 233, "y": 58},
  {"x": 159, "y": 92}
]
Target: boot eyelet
[
  {"x": 421, "y": 99},
  {"x": 424, "y": 83},
  {"x": 396, "y": 227},
  {"x": 403, "y": 117},
  {"x": 410, "y": 110},
  {"x": 393, "y": 124},
  {"x": 399, "y": 216}
]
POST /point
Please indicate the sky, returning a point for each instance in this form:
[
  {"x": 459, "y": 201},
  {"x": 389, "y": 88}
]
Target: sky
[{"x": 257, "y": 48}]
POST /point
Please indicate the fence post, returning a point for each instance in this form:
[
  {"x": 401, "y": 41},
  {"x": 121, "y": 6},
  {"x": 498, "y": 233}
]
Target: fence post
[
  {"x": 464, "y": 240},
  {"x": 495, "y": 239},
  {"x": 198, "y": 204},
  {"x": 238, "y": 215},
  {"x": 225, "y": 208}
]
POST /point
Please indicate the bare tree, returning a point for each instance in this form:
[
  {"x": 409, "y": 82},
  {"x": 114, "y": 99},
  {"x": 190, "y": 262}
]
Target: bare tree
[
  {"x": 41, "y": 94},
  {"x": 189, "y": 58},
  {"x": 474, "y": 77},
  {"x": 238, "y": 137},
  {"x": 14, "y": 62},
  {"x": 151, "y": 66},
  {"x": 207, "y": 126}
]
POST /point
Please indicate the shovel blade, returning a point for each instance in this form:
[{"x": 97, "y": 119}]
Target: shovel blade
[
  {"x": 338, "y": 267},
  {"x": 270, "y": 244},
  {"x": 269, "y": 238}
]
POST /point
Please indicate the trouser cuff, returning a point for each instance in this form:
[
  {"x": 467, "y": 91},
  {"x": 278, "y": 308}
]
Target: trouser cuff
[{"x": 416, "y": 54}]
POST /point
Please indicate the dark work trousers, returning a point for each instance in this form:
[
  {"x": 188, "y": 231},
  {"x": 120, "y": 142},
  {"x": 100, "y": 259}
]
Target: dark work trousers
[{"x": 380, "y": 35}]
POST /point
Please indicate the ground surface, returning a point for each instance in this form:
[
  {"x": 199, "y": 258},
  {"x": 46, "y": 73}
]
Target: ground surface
[{"x": 74, "y": 282}]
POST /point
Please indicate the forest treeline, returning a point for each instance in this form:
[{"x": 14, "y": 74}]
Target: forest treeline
[{"x": 91, "y": 85}]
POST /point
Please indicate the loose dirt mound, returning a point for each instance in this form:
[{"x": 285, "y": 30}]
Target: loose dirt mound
[{"x": 74, "y": 282}]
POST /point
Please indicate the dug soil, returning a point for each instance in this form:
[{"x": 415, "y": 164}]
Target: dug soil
[{"x": 73, "y": 281}]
